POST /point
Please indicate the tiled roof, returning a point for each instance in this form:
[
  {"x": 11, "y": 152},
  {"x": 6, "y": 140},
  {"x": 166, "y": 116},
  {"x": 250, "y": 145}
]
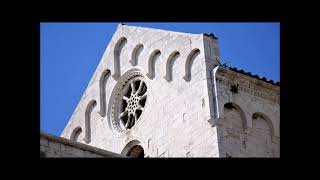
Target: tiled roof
[{"x": 277, "y": 83}]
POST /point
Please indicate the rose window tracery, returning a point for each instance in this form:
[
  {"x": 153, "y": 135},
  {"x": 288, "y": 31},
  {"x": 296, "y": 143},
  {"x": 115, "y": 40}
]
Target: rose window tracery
[{"x": 129, "y": 103}]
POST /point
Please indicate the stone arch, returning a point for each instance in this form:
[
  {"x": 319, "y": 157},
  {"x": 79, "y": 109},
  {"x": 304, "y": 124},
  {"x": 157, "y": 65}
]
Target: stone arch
[
  {"x": 189, "y": 61},
  {"x": 262, "y": 140},
  {"x": 102, "y": 85},
  {"x": 231, "y": 130},
  {"x": 231, "y": 105},
  {"x": 133, "y": 149},
  {"x": 135, "y": 54},
  {"x": 116, "y": 55},
  {"x": 75, "y": 134},
  {"x": 151, "y": 63},
  {"x": 87, "y": 121},
  {"x": 169, "y": 64},
  {"x": 267, "y": 119}
]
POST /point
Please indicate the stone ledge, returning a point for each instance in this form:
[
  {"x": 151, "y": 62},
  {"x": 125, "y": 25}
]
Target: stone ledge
[{"x": 81, "y": 146}]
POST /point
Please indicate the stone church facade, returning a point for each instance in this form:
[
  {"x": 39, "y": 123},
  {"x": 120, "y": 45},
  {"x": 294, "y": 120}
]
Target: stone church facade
[{"x": 158, "y": 93}]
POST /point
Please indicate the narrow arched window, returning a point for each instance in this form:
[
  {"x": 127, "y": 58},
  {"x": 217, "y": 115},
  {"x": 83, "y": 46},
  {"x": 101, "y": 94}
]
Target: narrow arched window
[
  {"x": 75, "y": 134},
  {"x": 151, "y": 63},
  {"x": 189, "y": 61},
  {"x": 135, "y": 54},
  {"x": 88, "y": 111},
  {"x": 169, "y": 64},
  {"x": 102, "y": 85},
  {"x": 116, "y": 54}
]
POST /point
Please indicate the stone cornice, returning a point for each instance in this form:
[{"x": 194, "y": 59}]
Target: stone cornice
[
  {"x": 249, "y": 88},
  {"x": 78, "y": 145},
  {"x": 233, "y": 74}
]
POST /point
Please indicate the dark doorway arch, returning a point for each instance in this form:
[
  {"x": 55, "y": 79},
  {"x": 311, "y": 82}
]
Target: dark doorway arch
[
  {"x": 133, "y": 149},
  {"x": 136, "y": 152}
]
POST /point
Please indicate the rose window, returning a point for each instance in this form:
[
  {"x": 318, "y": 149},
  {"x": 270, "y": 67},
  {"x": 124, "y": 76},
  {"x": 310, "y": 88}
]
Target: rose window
[{"x": 129, "y": 103}]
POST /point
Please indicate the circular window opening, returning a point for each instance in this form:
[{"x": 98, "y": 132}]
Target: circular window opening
[
  {"x": 133, "y": 101},
  {"x": 136, "y": 152},
  {"x": 129, "y": 102}
]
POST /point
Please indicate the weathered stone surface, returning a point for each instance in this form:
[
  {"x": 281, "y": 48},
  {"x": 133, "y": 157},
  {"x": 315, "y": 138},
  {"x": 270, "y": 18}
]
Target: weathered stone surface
[
  {"x": 180, "y": 117},
  {"x": 52, "y": 146}
]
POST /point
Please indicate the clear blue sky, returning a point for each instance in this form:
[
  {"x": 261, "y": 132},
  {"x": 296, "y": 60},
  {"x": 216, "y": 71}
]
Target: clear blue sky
[{"x": 70, "y": 53}]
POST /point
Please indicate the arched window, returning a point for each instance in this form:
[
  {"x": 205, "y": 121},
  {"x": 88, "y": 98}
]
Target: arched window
[
  {"x": 231, "y": 130},
  {"x": 190, "y": 58},
  {"x": 117, "y": 52},
  {"x": 133, "y": 149},
  {"x": 136, "y": 151},
  {"x": 236, "y": 109},
  {"x": 151, "y": 63},
  {"x": 262, "y": 137},
  {"x": 76, "y": 133},
  {"x": 88, "y": 111},
  {"x": 103, "y": 81},
  {"x": 263, "y": 122},
  {"x": 169, "y": 64},
  {"x": 135, "y": 54}
]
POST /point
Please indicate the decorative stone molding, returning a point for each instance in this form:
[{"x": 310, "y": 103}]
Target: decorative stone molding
[
  {"x": 189, "y": 61},
  {"x": 247, "y": 89},
  {"x": 102, "y": 85},
  {"x": 75, "y": 133},
  {"x": 91, "y": 105},
  {"x": 151, "y": 63},
  {"x": 129, "y": 102},
  {"x": 166, "y": 100},
  {"x": 169, "y": 64},
  {"x": 116, "y": 56},
  {"x": 135, "y": 54}
]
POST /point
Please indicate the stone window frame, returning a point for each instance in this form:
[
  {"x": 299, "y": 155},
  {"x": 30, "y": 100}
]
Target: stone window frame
[{"x": 116, "y": 95}]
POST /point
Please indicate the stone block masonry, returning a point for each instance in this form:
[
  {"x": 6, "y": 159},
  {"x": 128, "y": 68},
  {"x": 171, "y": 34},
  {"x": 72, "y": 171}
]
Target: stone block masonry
[
  {"x": 58, "y": 147},
  {"x": 152, "y": 95}
]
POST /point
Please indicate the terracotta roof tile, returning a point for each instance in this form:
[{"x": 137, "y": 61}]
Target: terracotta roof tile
[{"x": 251, "y": 75}]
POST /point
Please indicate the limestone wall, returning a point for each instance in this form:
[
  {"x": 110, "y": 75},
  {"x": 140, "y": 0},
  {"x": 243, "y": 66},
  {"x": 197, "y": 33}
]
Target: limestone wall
[
  {"x": 249, "y": 119},
  {"x": 52, "y": 146},
  {"x": 180, "y": 118},
  {"x": 176, "y": 114}
]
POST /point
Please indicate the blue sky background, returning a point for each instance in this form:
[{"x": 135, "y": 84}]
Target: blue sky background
[{"x": 70, "y": 53}]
